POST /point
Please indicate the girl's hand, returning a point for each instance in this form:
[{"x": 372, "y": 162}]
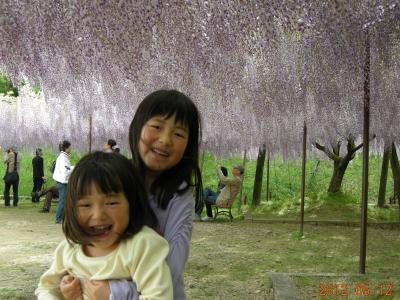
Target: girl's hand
[
  {"x": 97, "y": 289},
  {"x": 70, "y": 287}
]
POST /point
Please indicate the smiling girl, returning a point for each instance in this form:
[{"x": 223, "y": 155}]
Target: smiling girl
[{"x": 107, "y": 237}]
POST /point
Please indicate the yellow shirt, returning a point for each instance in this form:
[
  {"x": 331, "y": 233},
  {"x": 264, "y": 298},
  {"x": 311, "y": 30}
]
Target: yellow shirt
[{"x": 140, "y": 258}]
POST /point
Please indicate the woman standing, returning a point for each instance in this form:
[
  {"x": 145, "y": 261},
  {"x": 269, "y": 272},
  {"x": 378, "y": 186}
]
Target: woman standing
[
  {"x": 38, "y": 175},
  {"x": 61, "y": 174}
]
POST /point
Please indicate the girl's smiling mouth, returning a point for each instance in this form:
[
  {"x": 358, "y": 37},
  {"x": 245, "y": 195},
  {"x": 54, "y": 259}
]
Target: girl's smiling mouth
[
  {"x": 100, "y": 230},
  {"x": 160, "y": 152}
]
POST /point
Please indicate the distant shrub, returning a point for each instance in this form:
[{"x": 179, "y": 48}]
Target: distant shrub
[{"x": 6, "y": 86}]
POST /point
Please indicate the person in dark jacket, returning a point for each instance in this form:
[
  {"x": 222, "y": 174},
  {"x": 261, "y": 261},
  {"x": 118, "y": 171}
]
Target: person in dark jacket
[{"x": 38, "y": 175}]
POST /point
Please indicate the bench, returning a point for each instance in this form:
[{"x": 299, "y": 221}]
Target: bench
[{"x": 226, "y": 209}]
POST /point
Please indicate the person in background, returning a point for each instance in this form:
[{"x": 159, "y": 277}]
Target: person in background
[
  {"x": 210, "y": 194},
  {"x": 11, "y": 178},
  {"x": 50, "y": 194},
  {"x": 231, "y": 188},
  {"x": 61, "y": 174},
  {"x": 38, "y": 174},
  {"x": 111, "y": 146}
]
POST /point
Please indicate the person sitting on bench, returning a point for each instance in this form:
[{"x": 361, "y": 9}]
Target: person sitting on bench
[
  {"x": 231, "y": 188},
  {"x": 51, "y": 193}
]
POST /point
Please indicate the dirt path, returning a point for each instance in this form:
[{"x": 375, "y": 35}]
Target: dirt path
[
  {"x": 28, "y": 239},
  {"x": 227, "y": 260}
]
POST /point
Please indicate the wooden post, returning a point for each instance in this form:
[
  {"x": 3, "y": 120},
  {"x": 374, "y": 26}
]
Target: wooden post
[
  {"x": 268, "y": 159},
  {"x": 241, "y": 184},
  {"x": 259, "y": 175},
  {"x": 364, "y": 194},
  {"x": 303, "y": 178},
  {"x": 90, "y": 133}
]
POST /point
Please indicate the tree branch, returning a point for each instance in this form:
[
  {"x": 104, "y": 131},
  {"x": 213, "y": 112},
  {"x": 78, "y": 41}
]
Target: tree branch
[
  {"x": 330, "y": 154},
  {"x": 355, "y": 149}
]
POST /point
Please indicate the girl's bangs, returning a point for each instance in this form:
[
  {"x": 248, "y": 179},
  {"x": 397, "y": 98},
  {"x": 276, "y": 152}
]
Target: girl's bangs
[
  {"x": 173, "y": 105},
  {"x": 105, "y": 180}
]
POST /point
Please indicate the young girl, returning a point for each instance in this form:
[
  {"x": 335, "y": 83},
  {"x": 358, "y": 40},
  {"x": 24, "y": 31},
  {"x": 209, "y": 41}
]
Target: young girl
[
  {"x": 164, "y": 139},
  {"x": 106, "y": 213}
]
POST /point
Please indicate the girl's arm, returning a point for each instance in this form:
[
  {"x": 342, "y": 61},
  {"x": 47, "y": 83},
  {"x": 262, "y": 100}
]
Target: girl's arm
[
  {"x": 123, "y": 289},
  {"x": 149, "y": 268},
  {"x": 177, "y": 226},
  {"x": 49, "y": 283},
  {"x": 178, "y": 232}
]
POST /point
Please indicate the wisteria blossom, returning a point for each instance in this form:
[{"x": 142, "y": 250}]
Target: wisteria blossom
[{"x": 258, "y": 70}]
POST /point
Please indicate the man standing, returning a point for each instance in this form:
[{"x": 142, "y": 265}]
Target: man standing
[{"x": 12, "y": 176}]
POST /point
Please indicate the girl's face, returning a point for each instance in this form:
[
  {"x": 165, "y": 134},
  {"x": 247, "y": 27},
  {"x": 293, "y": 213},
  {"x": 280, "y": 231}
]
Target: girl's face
[
  {"x": 104, "y": 218},
  {"x": 162, "y": 143}
]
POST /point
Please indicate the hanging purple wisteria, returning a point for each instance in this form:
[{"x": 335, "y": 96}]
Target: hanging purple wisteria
[{"x": 256, "y": 69}]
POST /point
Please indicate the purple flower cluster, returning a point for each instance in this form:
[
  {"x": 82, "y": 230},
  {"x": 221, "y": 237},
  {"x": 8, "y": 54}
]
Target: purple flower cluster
[{"x": 258, "y": 70}]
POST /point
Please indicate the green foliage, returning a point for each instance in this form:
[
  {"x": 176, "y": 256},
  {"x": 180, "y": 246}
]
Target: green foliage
[
  {"x": 34, "y": 86},
  {"x": 6, "y": 86},
  {"x": 284, "y": 186},
  {"x": 297, "y": 235},
  {"x": 285, "y": 179}
]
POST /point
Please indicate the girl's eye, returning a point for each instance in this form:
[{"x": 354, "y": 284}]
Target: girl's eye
[
  {"x": 83, "y": 205},
  {"x": 155, "y": 126},
  {"x": 112, "y": 203},
  {"x": 180, "y": 135}
]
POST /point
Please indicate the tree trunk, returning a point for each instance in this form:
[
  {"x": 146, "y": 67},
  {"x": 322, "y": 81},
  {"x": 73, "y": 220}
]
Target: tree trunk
[
  {"x": 383, "y": 179},
  {"x": 394, "y": 163},
  {"x": 339, "y": 168},
  {"x": 258, "y": 176}
]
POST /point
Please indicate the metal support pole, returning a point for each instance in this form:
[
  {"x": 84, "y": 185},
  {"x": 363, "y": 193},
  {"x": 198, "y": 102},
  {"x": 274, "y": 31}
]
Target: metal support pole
[
  {"x": 241, "y": 184},
  {"x": 90, "y": 133},
  {"x": 303, "y": 178},
  {"x": 364, "y": 194}
]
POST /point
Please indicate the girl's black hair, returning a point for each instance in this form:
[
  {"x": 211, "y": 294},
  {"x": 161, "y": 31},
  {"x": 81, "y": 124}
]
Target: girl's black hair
[
  {"x": 64, "y": 145},
  {"x": 170, "y": 103},
  {"x": 111, "y": 173}
]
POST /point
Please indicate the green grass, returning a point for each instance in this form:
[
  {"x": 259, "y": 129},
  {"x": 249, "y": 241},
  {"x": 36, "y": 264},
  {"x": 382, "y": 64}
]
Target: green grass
[
  {"x": 284, "y": 186},
  {"x": 228, "y": 260}
]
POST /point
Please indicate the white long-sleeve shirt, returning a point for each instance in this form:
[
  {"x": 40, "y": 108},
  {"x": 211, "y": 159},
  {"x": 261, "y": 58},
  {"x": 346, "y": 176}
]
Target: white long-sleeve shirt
[{"x": 63, "y": 168}]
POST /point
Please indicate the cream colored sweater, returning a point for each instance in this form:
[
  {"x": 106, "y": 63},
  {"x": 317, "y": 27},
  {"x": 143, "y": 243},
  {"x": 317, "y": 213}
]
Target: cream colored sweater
[{"x": 140, "y": 258}]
